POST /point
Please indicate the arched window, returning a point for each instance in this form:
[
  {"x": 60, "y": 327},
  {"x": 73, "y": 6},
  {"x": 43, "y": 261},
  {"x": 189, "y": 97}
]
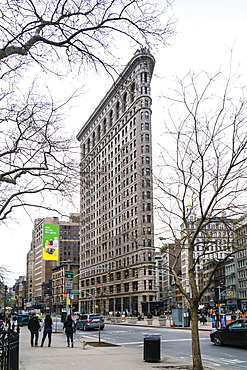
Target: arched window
[
  {"x": 146, "y": 115},
  {"x": 104, "y": 126},
  {"x": 124, "y": 101},
  {"x": 111, "y": 118},
  {"x": 144, "y": 77},
  {"x": 99, "y": 132},
  {"x": 88, "y": 145},
  {"x": 93, "y": 139},
  {"x": 117, "y": 109},
  {"x": 83, "y": 150},
  {"x": 132, "y": 92}
]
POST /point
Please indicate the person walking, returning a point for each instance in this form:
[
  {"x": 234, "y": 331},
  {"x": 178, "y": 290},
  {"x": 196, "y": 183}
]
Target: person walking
[
  {"x": 69, "y": 325},
  {"x": 47, "y": 330},
  {"x": 14, "y": 321},
  {"x": 34, "y": 326}
]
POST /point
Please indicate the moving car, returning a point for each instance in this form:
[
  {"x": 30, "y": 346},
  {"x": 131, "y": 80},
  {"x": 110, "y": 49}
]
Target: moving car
[
  {"x": 234, "y": 333},
  {"x": 90, "y": 321}
]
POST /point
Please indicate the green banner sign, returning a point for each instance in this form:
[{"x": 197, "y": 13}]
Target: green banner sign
[{"x": 50, "y": 242}]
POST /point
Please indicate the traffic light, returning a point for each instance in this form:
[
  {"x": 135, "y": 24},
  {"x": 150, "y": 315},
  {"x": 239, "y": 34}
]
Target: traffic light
[
  {"x": 108, "y": 275},
  {"x": 136, "y": 274},
  {"x": 24, "y": 302}
]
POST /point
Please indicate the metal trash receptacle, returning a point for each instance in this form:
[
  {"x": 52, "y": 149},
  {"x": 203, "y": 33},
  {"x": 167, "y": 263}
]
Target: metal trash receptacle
[{"x": 151, "y": 347}]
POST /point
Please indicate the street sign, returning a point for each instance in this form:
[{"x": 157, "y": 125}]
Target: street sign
[
  {"x": 69, "y": 274},
  {"x": 75, "y": 293},
  {"x": 69, "y": 284}
]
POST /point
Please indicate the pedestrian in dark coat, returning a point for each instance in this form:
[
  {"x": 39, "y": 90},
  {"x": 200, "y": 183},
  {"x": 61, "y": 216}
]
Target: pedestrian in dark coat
[
  {"x": 47, "y": 330},
  {"x": 68, "y": 325},
  {"x": 34, "y": 326}
]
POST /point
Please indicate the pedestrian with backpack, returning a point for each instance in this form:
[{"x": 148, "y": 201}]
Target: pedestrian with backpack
[{"x": 69, "y": 327}]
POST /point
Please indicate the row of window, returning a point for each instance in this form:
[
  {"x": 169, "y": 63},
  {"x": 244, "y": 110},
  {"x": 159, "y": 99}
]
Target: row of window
[{"x": 101, "y": 131}]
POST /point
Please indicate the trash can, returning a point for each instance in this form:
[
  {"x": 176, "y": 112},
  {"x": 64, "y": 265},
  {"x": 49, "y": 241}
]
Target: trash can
[
  {"x": 63, "y": 316},
  {"x": 151, "y": 347}
]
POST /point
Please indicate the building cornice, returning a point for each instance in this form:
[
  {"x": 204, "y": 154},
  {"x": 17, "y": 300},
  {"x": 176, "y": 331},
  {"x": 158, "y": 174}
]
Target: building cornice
[{"x": 142, "y": 54}]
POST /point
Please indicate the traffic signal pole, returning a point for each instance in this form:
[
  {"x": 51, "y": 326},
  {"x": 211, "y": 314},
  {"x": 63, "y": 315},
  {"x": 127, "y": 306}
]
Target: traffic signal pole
[{"x": 68, "y": 301}]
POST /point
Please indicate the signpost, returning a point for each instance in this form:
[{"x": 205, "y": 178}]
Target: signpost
[
  {"x": 69, "y": 274},
  {"x": 68, "y": 284}
]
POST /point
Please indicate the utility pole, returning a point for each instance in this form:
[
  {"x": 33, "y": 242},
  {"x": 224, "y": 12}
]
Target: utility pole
[{"x": 68, "y": 284}]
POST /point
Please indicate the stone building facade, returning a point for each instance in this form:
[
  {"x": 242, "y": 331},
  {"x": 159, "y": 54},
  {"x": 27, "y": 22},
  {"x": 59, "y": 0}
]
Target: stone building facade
[
  {"x": 39, "y": 272},
  {"x": 117, "y": 266},
  {"x": 60, "y": 295},
  {"x": 236, "y": 269}
]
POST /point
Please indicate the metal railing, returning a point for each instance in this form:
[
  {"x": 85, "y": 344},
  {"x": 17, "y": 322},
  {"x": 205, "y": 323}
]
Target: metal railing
[{"x": 9, "y": 350}]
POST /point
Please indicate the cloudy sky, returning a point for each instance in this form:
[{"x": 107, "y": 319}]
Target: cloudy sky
[{"x": 207, "y": 30}]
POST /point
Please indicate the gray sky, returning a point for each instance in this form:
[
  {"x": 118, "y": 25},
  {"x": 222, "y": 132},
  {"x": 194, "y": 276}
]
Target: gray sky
[{"x": 206, "y": 31}]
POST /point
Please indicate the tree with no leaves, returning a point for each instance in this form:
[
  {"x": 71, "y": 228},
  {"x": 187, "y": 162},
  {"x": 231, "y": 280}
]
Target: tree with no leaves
[
  {"x": 202, "y": 179},
  {"x": 55, "y": 37}
]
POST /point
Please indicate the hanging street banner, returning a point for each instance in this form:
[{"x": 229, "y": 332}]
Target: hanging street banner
[{"x": 50, "y": 242}]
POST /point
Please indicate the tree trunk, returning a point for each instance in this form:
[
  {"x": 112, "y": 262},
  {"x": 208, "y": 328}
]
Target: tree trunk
[{"x": 196, "y": 351}]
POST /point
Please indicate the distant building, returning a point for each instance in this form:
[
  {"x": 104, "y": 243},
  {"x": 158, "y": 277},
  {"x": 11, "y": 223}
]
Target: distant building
[
  {"x": 60, "y": 294},
  {"x": 236, "y": 269},
  {"x": 171, "y": 259},
  {"x": 117, "y": 247},
  {"x": 213, "y": 243},
  {"x": 20, "y": 293},
  {"x": 39, "y": 271}
]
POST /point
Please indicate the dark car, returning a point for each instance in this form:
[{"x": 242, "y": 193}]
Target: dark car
[
  {"x": 234, "y": 333},
  {"x": 90, "y": 321}
]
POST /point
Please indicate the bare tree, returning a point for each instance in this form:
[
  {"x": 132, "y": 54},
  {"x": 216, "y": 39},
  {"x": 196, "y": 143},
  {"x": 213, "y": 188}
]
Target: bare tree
[
  {"x": 57, "y": 36},
  {"x": 35, "y": 158},
  {"x": 84, "y": 31},
  {"x": 202, "y": 179},
  {"x": 4, "y": 274}
]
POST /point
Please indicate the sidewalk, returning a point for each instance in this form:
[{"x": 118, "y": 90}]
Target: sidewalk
[
  {"x": 207, "y": 326},
  {"x": 60, "y": 357}
]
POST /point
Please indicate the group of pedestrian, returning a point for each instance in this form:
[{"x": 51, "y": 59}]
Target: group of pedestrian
[
  {"x": 35, "y": 327},
  {"x": 7, "y": 322}
]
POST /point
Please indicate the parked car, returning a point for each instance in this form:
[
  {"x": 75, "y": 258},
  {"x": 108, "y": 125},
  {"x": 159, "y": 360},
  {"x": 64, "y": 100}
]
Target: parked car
[
  {"x": 23, "y": 319},
  {"x": 90, "y": 321},
  {"x": 234, "y": 333}
]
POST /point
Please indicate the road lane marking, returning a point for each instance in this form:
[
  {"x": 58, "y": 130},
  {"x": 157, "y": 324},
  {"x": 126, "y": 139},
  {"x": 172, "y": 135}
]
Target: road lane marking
[{"x": 162, "y": 341}]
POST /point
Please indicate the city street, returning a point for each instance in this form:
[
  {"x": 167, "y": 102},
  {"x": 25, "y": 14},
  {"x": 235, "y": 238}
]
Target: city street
[{"x": 174, "y": 343}]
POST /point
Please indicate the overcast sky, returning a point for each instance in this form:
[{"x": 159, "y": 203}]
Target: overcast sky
[{"x": 206, "y": 31}]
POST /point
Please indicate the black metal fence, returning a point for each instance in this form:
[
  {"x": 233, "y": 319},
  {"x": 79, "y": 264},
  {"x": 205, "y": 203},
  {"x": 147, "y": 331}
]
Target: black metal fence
[{"x": 9, "y": 350}]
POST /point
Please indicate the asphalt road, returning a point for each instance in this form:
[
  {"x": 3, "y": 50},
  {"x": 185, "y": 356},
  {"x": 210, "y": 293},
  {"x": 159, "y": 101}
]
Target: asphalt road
[{"x": 175, "y": 343}]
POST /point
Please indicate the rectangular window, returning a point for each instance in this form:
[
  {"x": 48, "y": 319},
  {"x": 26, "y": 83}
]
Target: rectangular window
[{"x": 135, "y": 285}]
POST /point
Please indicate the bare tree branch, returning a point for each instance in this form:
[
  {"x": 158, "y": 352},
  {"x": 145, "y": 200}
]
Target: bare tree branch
[{"x": 202, "y": 180}]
